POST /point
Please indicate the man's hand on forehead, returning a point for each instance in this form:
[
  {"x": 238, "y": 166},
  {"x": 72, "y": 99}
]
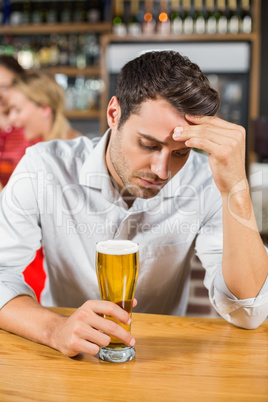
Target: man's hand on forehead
[{"x": 223, "y": 141}]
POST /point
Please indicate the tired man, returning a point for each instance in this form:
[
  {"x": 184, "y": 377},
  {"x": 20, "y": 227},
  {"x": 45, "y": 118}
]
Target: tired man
[{"x": 141, "y": 181}]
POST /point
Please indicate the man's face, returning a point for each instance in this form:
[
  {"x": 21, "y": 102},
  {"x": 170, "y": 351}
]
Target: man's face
[{"x": 142, "y": 156}]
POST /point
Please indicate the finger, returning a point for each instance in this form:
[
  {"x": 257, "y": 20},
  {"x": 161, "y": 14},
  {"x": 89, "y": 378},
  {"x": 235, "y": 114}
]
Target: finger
[
  {"x": 106, "y": 326},
  {"x": 85, "y": 331},
  {"x": 92, "y": 313},
  {"x": 219, "y": 152},
  {"x": 135, "y": 302},
  {"x": 81, "y": 346},
  {"x": 213, "y": 120},
  {"x": 102, "y": 307},
  {"x": 218, "y": 136},
  {"x": 114, "y": 329},
  {"x": 95, "y": 328},
  {"x": 88, "y": 347}
]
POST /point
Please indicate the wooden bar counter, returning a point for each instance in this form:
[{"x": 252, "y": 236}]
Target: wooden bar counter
[{"x": 177, "y": 359}]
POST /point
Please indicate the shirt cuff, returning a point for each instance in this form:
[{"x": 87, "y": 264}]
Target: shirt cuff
[
  {"x": 229, "y": 302},
  {"x": 245, "y": 313},
  {"x": 8, "y": 293}
]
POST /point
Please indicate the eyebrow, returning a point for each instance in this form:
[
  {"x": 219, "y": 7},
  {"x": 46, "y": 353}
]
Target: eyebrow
[{"x": 148, "y": 137}]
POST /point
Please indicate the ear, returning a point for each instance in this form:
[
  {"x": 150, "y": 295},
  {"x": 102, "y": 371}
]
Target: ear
[
  {"x": 46, "y": 111},
  {"x": 113, "y": 113}
]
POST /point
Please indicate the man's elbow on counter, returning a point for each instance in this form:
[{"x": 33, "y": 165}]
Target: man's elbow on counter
[{"x": 247, "y": 318}]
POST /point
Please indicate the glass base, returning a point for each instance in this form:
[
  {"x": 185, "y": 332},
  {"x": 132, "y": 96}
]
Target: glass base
[{"x": 117, "y": 355}]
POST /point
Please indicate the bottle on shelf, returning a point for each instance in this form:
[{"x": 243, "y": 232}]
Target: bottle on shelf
[
  {"x": 6, "y": 11},
  {"x": 91, "y": 50},
  {"x": 187, "y": 18},
  {"x": 52, "y": 16},
  {"x": 141, "y": 12},
  {"x": 211, "y": 21},
  {"x": 63, "y": 49},
  {"x": 65, "y": 14},
  {"x": 119, "y": 26},
  {"x": 107, "y": 10},
  {"x": 199, "y": 19},
  {"x": 72, "y": 49},
  {"x": 7, "y": 46},
  {"x": 1, "y": 13},
  {"x": 54, "y": 50},
  {"x": 234, "y": 17},
  {"x": 43, "y": 12},
  {"x": 16, "y": 14},
  {"x": 26, "y": 56},
  {"x": 163, "y": 23},
  {"x": 221, "y": 16},
  {"x": 27, "y": 12},
  {"x": 134, "y": 27},
  {"x": 36, "y": 13},
  {"x": 246, "y": 19},
  {"x": 35, "y": 45},
  {"x": 81, "y": 61},
  {"x": 175, "y": 18},
  {"x": 149, "y": 23},
  {"x": 81, "y": 96},
  {"x": 97, "y": 12},
  {"x": 44, "y": 53},
  {"x": 80, "y": 13}
]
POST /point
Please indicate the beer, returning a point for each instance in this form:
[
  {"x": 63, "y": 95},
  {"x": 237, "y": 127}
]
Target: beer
[{"x": 117, "y": 265}]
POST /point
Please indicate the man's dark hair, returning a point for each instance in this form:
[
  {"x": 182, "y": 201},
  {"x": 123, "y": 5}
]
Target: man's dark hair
[
  {"x": 169, "y": 75},
  {"x": 11, "y": 64}
]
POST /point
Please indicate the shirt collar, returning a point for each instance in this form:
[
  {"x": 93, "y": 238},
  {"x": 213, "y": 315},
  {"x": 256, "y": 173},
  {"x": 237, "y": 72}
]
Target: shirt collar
[{"x": 94, "y": 172}]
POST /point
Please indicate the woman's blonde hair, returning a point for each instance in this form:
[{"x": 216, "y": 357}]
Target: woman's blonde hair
[{"x": 42, "y": 89}]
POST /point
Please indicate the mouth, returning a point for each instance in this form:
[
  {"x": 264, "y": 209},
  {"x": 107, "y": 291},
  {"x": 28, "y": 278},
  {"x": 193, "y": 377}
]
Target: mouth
[{"x": 151, "y": 183}]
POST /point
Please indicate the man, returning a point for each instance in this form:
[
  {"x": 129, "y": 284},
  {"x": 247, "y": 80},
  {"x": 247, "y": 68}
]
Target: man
[{"x": 142, "y": 182}]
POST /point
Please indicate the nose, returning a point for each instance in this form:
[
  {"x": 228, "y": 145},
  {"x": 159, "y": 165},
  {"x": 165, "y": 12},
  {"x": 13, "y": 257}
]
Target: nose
[{"x": 160, "y": 165}]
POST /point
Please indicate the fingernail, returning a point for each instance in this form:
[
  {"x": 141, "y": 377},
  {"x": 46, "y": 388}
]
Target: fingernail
[
  {"x": 132, "y": 342},
  {"x": 129, "y": 321},
  {"x": 178, "y": 129},
  {"x": 176, "y": 136}
]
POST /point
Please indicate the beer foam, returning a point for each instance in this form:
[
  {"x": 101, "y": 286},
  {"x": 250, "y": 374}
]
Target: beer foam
[{"x": 117, "y": 247}]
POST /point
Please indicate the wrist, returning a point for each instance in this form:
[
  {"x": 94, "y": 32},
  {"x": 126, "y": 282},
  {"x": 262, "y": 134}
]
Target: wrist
[{"x": 50, "y": 335}]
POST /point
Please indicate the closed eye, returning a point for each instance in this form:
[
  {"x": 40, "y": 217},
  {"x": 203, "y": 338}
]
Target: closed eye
[
  {"x": 158, "y": 147},
  {"x": 180, "y": 153},
  {"x": 150, "y": 147}
]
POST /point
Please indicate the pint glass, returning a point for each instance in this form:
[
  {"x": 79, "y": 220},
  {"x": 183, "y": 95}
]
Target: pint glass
[{"x": 117, "y": 265}]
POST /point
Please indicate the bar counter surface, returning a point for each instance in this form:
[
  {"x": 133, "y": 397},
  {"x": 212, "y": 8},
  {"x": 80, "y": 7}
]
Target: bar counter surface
[{"x": 177, "y": 359}]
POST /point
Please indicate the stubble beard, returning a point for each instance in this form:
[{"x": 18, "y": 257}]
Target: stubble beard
[{"x": 129, "y": 189}]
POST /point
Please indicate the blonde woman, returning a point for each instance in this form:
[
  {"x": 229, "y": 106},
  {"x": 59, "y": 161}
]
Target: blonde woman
[{"x": 36, "y": 104}]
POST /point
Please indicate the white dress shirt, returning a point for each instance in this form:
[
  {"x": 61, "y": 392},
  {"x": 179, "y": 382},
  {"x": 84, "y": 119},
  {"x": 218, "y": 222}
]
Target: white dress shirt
[{"x": 61, "y": 195}]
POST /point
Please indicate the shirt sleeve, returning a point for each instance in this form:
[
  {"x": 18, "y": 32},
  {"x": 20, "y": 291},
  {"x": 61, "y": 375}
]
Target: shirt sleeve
[
  {"x": 20, "y": 230},
  {"x": 246, "y": 313}
]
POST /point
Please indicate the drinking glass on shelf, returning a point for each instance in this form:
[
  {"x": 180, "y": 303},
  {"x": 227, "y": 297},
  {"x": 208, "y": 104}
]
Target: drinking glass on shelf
[{"x": 117, "y": 266}]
